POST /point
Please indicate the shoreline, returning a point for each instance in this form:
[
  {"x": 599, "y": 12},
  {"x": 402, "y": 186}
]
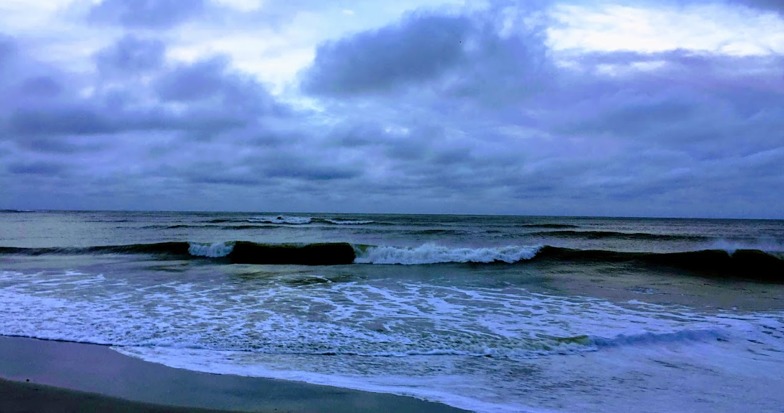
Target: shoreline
[{"x": 44, "y": 375}]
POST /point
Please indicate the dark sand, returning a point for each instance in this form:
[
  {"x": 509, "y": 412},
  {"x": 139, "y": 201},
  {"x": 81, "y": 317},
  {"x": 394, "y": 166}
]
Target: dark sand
[{"x": 72, "y": 377}]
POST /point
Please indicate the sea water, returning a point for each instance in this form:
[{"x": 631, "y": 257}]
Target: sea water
[{"x": 486, "y": 313}]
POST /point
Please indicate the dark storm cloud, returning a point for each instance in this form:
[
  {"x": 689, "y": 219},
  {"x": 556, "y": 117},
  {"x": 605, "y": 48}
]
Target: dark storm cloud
[
  {"x": 153, "y": 14},
  {"x": 131, "y": 55},
  {"x": 417, "y": 50},
  {"x": 776, "y": 5},
  {"x": 7, "y": 49},
  {"x": 84, "y": 119},
  {"x": 40, "y": 86},
  {"x": 212, "y": 82},
  {"x": 713, "y": 104},
  {"x": 37, "y": 168},
  {"x": 59, "y": 121},
  {"x": 439, "y": 58},
  {"x": 201, "y": 80},
  {"x": 303, "y": 171},
  {"x": 41, "y": 108}
]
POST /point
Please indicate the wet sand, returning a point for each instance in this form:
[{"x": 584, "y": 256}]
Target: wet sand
[{"x": 51, "y": 376}]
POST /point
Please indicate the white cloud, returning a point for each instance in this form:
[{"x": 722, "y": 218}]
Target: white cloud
[
  {"x": 715, "y": 28},
  {"x": 242, "y": 5},
  {"x": 24, "y": 15}
]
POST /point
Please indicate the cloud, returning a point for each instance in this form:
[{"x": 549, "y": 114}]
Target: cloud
[
  {"x": 475, "y": 57},
  {"x": 208, "y": 79},
  {"x": 40, "y": 87},
  {"x": 153, "y": 14},
  {"x": 7, "y": 49},
  {"x": 59, "y": 121},
  {"x": 43, "y": 168},
  {"x": 466, "y": 110},
  {"x": 418, "y": 49},
  {"x": 131, "y": 56},
  {"x": 633, "y": 131},
  {"x": 775, "y": 5}
]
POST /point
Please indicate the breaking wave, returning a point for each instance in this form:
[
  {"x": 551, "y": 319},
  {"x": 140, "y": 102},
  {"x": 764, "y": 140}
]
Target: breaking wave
[
  {"x": 767, "y": 266},
  {"x": 281, "y": 219},
  {"x": 348, "y": 221},
  {"x": 214, "y": 250},
  {"x": 436, "y": 254}
]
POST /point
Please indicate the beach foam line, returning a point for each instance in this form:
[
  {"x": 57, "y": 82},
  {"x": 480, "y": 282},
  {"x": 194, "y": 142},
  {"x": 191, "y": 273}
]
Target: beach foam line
[{"x": 649, "y": 338}]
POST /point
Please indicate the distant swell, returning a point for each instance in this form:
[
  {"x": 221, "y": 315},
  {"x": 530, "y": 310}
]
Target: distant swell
[
  {"x": 746, "y": 263},
  {"x": 281, "y": 219},
  {"x": 642, "y": 236},
  {"x": 239, "y": 252},
  {"x": 346, "y": 221},
  {"x": 547, "y": 225},
  {"x": 173, "y": 248}
]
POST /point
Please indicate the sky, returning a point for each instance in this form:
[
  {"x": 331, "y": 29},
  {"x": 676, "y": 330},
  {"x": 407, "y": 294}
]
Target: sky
[{"x": 669, "y": 108}]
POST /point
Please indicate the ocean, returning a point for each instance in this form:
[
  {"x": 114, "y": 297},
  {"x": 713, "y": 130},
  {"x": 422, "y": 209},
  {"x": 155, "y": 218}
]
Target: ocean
[{"x": 485, "y": 313}]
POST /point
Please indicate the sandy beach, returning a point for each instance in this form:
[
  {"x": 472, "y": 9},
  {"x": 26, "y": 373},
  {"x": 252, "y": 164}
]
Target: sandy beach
[{"x": 51, "y": 376}]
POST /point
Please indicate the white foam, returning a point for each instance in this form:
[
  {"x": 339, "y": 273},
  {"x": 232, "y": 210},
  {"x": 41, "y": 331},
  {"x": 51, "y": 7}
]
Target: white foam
[
  {"x": 281, "y": 219},
  {"x": 467, "y": 346},
  {"x": 434, "y": 254},
  {"x": 214, "y": 250},
  {"x": 348, "y": 222},
  {"x": 768, "y": 245}
]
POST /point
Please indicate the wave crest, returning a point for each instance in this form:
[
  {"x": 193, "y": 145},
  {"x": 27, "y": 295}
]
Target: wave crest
[
  {"x": 281, "y": 219},
  {"x": 436, "y": 254},
  {"x": 348, "y": 221},
  {"x": 214, "y": 250}
]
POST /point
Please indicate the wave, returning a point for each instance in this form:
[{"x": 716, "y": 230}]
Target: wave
[
  {"x": 243, "y": 252},
  {"x": 172, "y": 248},
  {"x": 550, "y": 226},
  {"x": 436, "y": 254},
  {"x": 347, "y": 221},
  {"x": 281, "y": 219},
  {"x": 166, "y": 226},
  {"x": 440, "y": 231},
  {"x": 238, "y": 252},
  {"x": 300, "y": 220},
  {"x": 214, "y": 250},
  {"x": 648, "y": 338},
  {"x": 643, "y": 236},
  {"x": 743, "y": 263},
  {"x": 287, "y": 220},
  {"x": 247, "y": 226}
]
